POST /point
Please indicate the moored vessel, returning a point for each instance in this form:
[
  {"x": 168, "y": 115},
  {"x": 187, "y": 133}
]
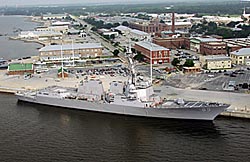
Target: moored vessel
[{"x": 134, "y": 97}]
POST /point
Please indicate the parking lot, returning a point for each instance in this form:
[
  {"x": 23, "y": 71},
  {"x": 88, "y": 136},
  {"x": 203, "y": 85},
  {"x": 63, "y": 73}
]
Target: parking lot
[{"x": 210, "y": 81}]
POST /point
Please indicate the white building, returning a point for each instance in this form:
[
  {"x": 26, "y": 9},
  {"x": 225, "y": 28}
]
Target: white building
[
  {"x": 61, "y": 23},
  {"x": 220, "y": 19},
  {"x": 241, "y": 56},
  {"x": 140, "y": 35},
  {"x": 216, "y": 62},
  {"x": 123, "y": 29},
  {"x": 109, "y": 33},
  {"x": 133, "y": 33},
  {"x": 40, "y": 35},
  {"x": 53, "y": 16},
  {"x": 62, "y": 29}
]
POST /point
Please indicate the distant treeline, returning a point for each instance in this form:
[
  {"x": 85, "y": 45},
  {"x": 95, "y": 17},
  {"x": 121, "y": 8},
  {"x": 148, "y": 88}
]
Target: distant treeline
[
  {"x": 210, "y": 8},
  {"x": 225, "y": 31}
]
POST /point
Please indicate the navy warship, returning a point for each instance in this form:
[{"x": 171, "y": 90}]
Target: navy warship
[{"x": 134, "y": 97}]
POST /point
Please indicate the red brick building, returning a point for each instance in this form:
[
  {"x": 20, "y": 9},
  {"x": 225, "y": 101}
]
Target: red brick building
[
  {"x": 151, "y": 27},
  {"x": 159, "y": 54},
  {"x": 213, "y": 48},
  {"x": 172, "y": 43}
]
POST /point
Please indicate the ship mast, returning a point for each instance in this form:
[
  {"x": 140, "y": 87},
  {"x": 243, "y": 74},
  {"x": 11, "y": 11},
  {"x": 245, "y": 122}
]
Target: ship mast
[
  {"x": 62, "y": 61},
  {"x": 151, "y": 66},
  {"x": 131, "y": 63},
  {"x": 73, "y": 52}
]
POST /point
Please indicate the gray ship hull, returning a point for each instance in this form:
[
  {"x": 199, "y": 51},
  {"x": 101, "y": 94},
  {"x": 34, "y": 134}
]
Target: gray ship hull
[{"x": 194, "y": 113}]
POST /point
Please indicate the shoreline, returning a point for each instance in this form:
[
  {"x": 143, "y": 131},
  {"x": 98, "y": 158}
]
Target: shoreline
[
  {"x": 27, "y": 41},
  {"x": 242, "y": 114}
]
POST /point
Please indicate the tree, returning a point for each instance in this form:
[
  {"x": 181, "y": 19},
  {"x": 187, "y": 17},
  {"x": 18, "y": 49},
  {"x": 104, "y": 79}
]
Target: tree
[
  {"x": 116, "y": 44},
  {"x": 189, "y": 63},
  {"x": 125, "y": 23},
  {"x": 116, "y": 52},
  {"x": 94, "y": 29},
  {"x": 112, "y": 36},
  {"x": 116, "y": 24},
  {"x": 175, "y": 62},
  {"x": 139, "y": 57},
  {"x": 245, "y": 86},
  {"x": 106, "y": 37},
  {"x": 133, "y": 50}
]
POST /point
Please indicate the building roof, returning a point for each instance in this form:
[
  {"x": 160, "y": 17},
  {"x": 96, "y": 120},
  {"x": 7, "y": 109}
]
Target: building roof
[
  {"x": 20, "y": 67},
  {"x": 151, "y": 46},
  {"x": 69, "y": 47},
  {"x": 216, "y": 43},
  {"x": 180, "y": 23},
  {"x": 123, "y": 28},
  {"x": 217, "y": 58},
  {"x": 60, "y": 23},
  {"x": 242, "y": 52},
  {"x": 138, "y": 32},
  {"x": 39, "y": 33},
  {"x": 200, "y": 39},
  {"x": 54, "y": 15}
]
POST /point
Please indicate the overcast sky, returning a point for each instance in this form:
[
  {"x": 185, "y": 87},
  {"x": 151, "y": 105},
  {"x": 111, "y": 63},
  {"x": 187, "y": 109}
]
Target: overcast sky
[{"x": 47, "y": 2}]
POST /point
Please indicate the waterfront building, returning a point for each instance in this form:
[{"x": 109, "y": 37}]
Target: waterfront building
[
  {"x": 61, "y": 23},
  {"x": 62, "y": 29},
  {"x": 216, "y": 62},
  {"x": 40, "y": 35},
  {"x": 241, "y": 56},
  {"x": 53, "y": 16},
  {"x": 87, "y": 50},
  {"x": 159, "y": 54},
  {"x": 20, "y": 68}
]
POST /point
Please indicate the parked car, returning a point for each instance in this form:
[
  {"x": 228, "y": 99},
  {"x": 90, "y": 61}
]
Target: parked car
[{"x": 232, "y": 75}]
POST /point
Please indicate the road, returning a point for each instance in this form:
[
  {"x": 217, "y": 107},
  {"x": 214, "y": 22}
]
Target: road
[{"x": 98, "y": 38}]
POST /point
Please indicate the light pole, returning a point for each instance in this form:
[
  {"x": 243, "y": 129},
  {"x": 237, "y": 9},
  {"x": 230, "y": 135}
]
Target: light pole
[
  {"x": 73, "y": 53},
  {"x": 151, "y": 64}
]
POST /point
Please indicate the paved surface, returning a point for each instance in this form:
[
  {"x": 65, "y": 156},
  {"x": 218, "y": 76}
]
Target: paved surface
[
  {"x": 210, "y": 81},
  {"x": 238, "y": 101}
]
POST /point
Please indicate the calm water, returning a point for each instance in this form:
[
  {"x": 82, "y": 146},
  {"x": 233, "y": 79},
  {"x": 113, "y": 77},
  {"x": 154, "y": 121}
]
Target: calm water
[
  {"x": 11, "y": 48},
  {"x": 31, "y": 132}
]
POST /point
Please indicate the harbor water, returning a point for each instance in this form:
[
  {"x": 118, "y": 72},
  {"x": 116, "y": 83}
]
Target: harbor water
[
  {"x": 30, "y": 132},
  {"x": 12, "y": 49}
]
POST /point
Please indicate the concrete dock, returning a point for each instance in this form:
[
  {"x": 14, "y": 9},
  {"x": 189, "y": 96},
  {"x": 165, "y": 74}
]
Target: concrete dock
[{"x": 240, "y": 103}]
